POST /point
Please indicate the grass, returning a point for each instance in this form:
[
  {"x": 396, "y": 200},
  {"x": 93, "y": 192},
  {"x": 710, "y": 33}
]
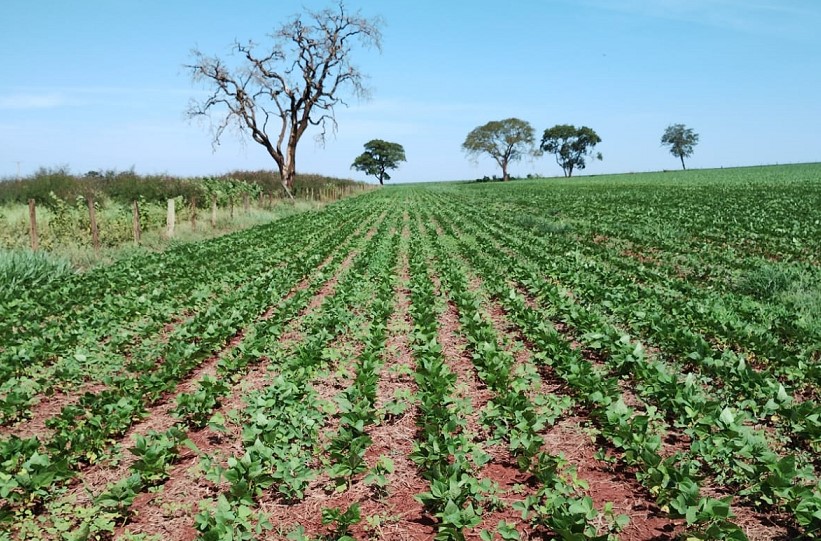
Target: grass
[{"x": 26, "y": 269}]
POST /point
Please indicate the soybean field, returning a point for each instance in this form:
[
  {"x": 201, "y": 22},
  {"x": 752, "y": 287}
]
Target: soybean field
[{"x": 632, "y": 357}]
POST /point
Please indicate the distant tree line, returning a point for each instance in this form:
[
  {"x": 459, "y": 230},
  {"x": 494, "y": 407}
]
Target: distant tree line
[{"x": 509, "y": 140}]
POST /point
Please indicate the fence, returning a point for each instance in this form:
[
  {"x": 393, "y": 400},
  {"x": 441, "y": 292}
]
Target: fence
[{"x": 321, "y": 195}]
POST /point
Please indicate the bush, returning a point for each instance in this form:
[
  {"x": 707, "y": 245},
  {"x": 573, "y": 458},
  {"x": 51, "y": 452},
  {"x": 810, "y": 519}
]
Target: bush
[
  {"x": 44, "y": 182},
  {"x": 127, "y": 186}
]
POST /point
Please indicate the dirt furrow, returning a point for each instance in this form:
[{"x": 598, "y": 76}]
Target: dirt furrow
[
  {"x": 186, "y": 483},
  {"x": 159, "y": 418},
  {"x": 401, "y": 516}
]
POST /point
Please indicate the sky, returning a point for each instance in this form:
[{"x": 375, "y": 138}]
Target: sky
[{"x": 101, "y": 84}]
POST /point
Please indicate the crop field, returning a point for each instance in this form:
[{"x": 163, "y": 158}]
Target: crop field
[{"x": 631, "y": 357}]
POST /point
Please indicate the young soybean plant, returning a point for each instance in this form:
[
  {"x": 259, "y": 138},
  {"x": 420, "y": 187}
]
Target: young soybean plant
[{"x": 155, "y": 453}]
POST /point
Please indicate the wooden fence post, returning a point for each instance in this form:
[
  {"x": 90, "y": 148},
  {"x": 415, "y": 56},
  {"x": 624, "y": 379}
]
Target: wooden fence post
[
  {"x": 213, "y": 211},
  {"x": 135, "y": 212},
  {"x": 35, "y": 240},
  {"x": 193, "y": 213},
  {"x": 92, "y": 216},
  {"x": 170, "y": 219},
  {"x": 246, "y": 202}
]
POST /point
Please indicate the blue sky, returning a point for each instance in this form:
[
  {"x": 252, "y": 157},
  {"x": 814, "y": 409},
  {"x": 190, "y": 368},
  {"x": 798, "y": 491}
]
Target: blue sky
[{"x": 100, "y": 84}]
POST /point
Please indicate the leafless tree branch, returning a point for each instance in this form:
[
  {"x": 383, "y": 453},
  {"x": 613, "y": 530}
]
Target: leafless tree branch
[{"x": 298, "y": 81}]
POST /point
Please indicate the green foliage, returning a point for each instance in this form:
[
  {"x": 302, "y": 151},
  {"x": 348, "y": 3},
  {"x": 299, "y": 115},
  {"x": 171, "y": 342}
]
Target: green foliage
[
  {"x": 347, "y": 452},
  {"x": 26, "y": 472},
  {"x": 29, "y": 270},
  {"x": 765, "y": 281},
  {"x": 123, "y": 186},
  {"x": 227, "y": 521},
  {"x": 118, "y": 497},
  {"x": 48, "y": 186},
  {"x": 341, "y": 521},
  {"x": 400, "y": 403},
  {"x": 196, "y": 408},
  {"x": 379, "y": 156},
  {"x": 571, "y": 146},
  {"x": 505, "y": 141},
  {"x": 681, "y": 140},
  {"x": 507, "y": 532},
  {"x": 250, "y": 474},
  {"x": 572, "y": 518},
  {"x": 377, "y": 477},
  {"x": 667, "y": 318},
  {"x": 542, "y": 226},
  {"x": 156, "y": 452},
  {"x": 45, "y": 181}
]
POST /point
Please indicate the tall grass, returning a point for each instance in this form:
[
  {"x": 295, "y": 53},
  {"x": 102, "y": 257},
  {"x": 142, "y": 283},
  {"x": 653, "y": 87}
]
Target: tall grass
[
  {"x": 788, "y": 286},
  {"x": 27, "y": 270}
]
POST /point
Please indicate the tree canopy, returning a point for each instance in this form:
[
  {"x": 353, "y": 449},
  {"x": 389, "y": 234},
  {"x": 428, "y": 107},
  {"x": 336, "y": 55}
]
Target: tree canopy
[
  {"x": 681, "y": 140},
  {"x": 571, "y": 146},
  {"x": 275, "y": 92},
  {"x": 379, "y": 156},
  {"x": 503, "y": 140}
]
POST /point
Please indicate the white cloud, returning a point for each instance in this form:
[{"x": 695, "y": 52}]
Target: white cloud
[{"x": 31, "y": 101}]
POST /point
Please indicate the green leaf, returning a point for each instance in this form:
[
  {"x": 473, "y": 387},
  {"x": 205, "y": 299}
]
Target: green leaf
[{"x": 727, "y": 417}]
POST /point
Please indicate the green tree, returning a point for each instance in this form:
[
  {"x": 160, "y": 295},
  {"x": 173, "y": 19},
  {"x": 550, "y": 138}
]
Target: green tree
[
  {"x": 504, "y": 140},
  {"x": 681, "y": 139},
  {"x": 571, "y": 146},
  {"x": 275, "y": 93},
  {"x": 379, "y": 156}
]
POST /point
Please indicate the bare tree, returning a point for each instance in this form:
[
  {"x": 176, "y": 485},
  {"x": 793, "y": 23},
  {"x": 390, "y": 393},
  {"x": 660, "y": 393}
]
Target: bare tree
[{"x": 275, "y": 93}]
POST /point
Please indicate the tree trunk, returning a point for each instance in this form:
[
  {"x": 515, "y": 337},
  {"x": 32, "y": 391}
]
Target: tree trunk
[
  {"x": 287, "y": 173},
  {"x": 682, "y": 162},
  {"x": 288, "y": 183},
  {"x": 504, "y": 172},
  {"x": 287, "y": 190}
]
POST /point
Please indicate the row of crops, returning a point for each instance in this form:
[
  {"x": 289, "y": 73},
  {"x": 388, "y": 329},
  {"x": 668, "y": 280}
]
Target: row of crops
[{"x": 633, "y": 358}]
